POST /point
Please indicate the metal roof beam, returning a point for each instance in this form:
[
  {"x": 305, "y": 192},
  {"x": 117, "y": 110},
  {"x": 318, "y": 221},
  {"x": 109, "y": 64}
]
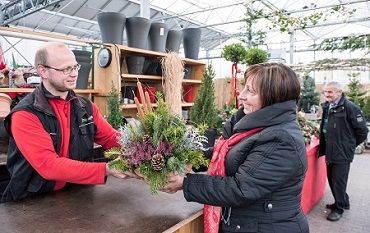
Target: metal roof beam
[{"x": 18, "y": 9}]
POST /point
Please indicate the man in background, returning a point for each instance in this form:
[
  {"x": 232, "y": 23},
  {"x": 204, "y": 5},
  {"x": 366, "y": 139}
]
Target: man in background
[{"x": 343, "y": 128}]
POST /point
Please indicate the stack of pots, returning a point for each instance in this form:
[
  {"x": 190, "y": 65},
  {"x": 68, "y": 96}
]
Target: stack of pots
[
  {"x": 191, "y": 43},
  {"x": 84, "y": 59},
  {"x": 144, "y": 34},
  {"x": 137, "y": 31}
]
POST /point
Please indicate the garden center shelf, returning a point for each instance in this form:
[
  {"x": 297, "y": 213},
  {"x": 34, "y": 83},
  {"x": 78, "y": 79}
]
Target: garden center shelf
[{"x": 116, "y": 75}]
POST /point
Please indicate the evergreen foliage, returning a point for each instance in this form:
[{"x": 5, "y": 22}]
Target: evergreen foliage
[
  {"x": 204, "y": 110},
  {"x": 355, "y": 94},
  {"x": 366, "y": 108},
  {"x": 309, "y": 96},
  {"x": 158, "y": 135},
  {"x": 256, "y": 56},
  {"x": 235, "y": 53},
  {"x": 114, "y": 117}
]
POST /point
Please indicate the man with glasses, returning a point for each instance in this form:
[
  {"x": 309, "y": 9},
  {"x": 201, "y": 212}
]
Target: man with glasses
[
  {"x": 53, "y": 130},
  {"x": 343, "y": 128}
]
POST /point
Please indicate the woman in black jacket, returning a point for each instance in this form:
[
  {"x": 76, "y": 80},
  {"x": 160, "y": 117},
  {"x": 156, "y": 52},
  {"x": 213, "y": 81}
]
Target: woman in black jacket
[{"x": 255, "y": 178}]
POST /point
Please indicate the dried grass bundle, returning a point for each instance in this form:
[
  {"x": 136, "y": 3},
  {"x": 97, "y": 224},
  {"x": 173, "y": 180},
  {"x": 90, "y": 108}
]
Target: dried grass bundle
[{"x": 172, "y": 71}]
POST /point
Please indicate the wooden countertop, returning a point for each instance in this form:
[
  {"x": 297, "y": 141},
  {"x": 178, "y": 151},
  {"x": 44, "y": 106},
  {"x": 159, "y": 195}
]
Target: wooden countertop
[{"x": 118, "y": 206}]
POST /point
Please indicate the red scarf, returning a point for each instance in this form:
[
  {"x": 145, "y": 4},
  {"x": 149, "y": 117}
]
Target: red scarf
[{"x": 212, "y": 214}]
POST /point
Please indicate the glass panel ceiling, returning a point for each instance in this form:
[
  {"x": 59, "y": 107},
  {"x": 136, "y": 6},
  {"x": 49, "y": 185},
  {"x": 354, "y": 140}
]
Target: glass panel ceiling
[{"x": 227, "y": 17}]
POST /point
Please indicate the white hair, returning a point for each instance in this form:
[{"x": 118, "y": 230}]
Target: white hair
[{"x": 337, "y": 85}]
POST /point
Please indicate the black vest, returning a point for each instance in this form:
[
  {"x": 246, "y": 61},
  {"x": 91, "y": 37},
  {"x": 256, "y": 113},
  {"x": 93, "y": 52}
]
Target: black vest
[{"x": 25, "y": 181}]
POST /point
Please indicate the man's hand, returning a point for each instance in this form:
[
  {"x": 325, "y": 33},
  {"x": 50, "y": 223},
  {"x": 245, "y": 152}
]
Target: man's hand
[{"x": 121, "y": 175}]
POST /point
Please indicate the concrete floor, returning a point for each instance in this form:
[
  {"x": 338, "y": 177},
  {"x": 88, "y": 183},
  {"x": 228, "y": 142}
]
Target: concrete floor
[{"x": 357, "y": 219}]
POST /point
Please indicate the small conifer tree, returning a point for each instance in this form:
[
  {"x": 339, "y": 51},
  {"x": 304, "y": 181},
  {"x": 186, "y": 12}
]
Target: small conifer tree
[
  {"x": 355, "y": 94},
  {"x": 204, "y": 110},
  {"x": 309, "y": 96},
  {"x": 114, "y": 117}
]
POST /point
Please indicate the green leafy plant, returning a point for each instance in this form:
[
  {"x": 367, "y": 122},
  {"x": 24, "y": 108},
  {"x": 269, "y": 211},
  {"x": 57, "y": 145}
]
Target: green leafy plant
[
  {"x": 114, "y": 116},
  {"x": 256, "y": 56},
  {"x": 235, "y": 53},
  {"x": 308, "y": 128},
  {"x": 158, "y": 145},
  {"x": 204, "y": 111},
  {"x": 351, "y": 43}
]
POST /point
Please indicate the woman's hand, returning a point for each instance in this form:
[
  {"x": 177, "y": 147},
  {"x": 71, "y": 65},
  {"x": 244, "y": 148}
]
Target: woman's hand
[{"x": 175, "y": 184}]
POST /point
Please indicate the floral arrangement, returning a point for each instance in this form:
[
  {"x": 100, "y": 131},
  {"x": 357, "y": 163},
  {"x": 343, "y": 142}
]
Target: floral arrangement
[
  {"x": 158, "y": 144},
  {"x": 308, "y": 128}
]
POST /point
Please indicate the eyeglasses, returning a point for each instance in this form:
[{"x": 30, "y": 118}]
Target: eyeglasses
[{"x": 67, "y": 70}]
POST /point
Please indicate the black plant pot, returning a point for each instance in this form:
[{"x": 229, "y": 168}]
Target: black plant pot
[
  {"x": 82, "y": 56},
  {"x": 83, "y": 75},
  {"x": 128, "y": 92},
  {"x": 112, "y": 25},
  {"x": 84, "y": 59},
  {"x": 158, "y": 36},
  {"x": 137, "y": 30},
  {"x": 174, "y": 39},
  {"x": 211, "y": 135},
  {"x": 188, "y": 71},
  {"x": 306, "y": 107},
  {"x": 191, "y": 42},
  {"x": 135, "y": 64}
]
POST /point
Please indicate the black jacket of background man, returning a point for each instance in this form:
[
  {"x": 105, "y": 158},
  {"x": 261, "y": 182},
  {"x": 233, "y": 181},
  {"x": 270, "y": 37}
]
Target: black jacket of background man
[{"x": 346, "y": 129}]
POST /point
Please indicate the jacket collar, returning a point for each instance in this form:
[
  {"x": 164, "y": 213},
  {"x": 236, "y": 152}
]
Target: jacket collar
[
  {"x": 271, "y": 115},
  {"x": 42, "y": 95},
  {"x": 340, "y": 103}
]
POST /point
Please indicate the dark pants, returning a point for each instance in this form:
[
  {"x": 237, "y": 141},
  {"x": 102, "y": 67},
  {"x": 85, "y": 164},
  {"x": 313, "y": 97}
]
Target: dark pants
[{"x": 338, "y": 177}]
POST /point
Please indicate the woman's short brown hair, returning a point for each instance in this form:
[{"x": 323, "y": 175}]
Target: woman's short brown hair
[{"x": 274, "y": 82}]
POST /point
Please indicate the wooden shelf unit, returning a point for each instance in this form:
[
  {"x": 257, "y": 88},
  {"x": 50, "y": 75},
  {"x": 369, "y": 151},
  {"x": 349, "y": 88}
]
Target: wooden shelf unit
[{"x": 117, "y": 74}]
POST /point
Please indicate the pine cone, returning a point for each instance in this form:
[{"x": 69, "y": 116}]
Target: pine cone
[
  {"x": 158, "y": 162},
  {"x": 147, "y": 139}
]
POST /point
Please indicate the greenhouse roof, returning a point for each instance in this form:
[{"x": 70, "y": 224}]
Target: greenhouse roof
[{"x": 221, "y": 21}]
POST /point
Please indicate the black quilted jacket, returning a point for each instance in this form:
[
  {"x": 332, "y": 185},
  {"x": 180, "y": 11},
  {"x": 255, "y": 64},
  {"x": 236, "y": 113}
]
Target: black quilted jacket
[{"x": 265, "y": 173}]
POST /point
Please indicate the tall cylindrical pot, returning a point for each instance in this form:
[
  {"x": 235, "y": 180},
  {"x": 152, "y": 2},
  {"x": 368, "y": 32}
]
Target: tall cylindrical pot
[
  {"x": 174, "y": 39},
  {"x": 84, "y": 59},
  {"x": 191, "y": 42},
  {"x": 158, "y": 36},
  {"x": 137, "y": 30},
  {"x": 83, "y": 75},
  {"x": 112, "y": 25}
]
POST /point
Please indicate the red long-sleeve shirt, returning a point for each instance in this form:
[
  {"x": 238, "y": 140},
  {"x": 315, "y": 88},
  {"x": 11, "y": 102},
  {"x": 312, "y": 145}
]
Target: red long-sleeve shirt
[{"x": 37, "y": 147}]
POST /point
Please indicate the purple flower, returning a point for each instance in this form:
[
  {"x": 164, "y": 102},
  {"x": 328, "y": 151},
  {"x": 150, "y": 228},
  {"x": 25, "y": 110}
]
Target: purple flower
[{"x": 164, "y": 148}]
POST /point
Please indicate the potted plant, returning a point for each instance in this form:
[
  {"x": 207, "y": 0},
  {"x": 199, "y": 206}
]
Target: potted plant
[
  {"x": 204, "y": 110},
  {"x": 114, "y": 116},
  {"x": 235, "y": 53},
  {"x": 256, "y": 56},
  {"x": 309, "y": 96}
]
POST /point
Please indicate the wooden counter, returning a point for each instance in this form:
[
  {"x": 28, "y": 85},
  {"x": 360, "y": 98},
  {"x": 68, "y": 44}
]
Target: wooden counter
[{"x": 118, "y": 206}]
